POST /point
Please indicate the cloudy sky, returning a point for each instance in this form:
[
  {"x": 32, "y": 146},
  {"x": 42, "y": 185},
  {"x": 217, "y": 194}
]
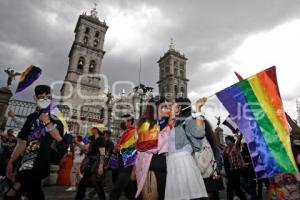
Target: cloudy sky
[{"x": 217, "y": 37}]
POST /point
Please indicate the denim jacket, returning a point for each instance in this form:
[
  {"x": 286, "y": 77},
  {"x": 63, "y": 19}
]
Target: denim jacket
[{"x": 186, "y": 132}]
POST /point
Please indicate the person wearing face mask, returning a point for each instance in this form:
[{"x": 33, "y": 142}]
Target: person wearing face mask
[
  {"x": 184, "y": 179},
  {"x": 126, "y": 154},
  {"x": 233, "y": 165},
  {"x": 152, "y": 145},
  {"x": 34, "y": 143}
]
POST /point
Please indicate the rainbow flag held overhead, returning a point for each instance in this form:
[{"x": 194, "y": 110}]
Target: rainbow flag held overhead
[
  {"x": 127, "y": 147},
  {"x": 31, "y": 74},
  {"x": 255, "y": 106}
]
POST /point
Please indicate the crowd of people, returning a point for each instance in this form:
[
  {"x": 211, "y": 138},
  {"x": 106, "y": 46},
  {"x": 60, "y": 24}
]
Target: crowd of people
[{"x": 170, "y": 152}]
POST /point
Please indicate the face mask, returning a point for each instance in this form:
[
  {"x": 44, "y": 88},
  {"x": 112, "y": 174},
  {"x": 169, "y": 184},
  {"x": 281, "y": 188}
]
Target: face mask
[
  {"x": 43, "y": 103},
  {"x": 228, "y": 142},
  {"x": 123, "y": 126}
]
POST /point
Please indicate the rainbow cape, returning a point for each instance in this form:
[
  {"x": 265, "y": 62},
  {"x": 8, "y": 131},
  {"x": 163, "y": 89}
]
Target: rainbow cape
[
  {"x": 31, "y": 74},
  {"x": 127, "y": 147},
  {"x": 255, "y": 106}
]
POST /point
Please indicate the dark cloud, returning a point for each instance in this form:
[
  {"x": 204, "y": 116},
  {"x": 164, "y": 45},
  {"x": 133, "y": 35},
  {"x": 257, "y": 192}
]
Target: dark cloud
[{"x": 41, "y": 33}]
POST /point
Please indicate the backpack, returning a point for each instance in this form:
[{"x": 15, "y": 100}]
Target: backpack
[{"x": 204, "y": 157}]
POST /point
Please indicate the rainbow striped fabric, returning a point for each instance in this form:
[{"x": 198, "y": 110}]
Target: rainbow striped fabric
[
  {"x": 255, "y": 106},
  {"x": 31, "y": 74},
  {"x": 127, "y": 147}
]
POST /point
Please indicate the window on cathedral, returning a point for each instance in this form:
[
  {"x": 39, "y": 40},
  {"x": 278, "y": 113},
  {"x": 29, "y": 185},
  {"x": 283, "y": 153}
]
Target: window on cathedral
[
  {"x": 85, "y": 40},
  {"x": 167, "y": 69},
  {"x": 80, "y": 64},
  {"x": 182, "y": 90},
  {"x": 92, "y": 66},
  {"x": 97, "y": 34},
  {"x": 175, "y": 64},
  {"x": 175, "y": 71},
  {"x": 182, "y": 73},
  {"x": 181, "y": 66},
  {"x": 87, "y": 30},
  {"x": 96, "y": 43}
]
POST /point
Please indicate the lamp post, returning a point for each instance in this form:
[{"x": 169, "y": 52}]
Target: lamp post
[{"x": 142, "y": 92}]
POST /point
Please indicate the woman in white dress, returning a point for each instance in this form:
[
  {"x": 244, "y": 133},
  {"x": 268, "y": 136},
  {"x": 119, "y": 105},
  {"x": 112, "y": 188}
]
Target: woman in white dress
[{"x": 184, "y": 180}]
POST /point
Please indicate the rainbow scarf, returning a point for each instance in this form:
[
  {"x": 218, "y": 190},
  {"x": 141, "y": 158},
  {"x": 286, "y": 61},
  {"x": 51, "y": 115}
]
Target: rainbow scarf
[
  {"x": 127, "y": 147},
  {"x": 256, "y": 107},
  {"x": 31, "y": 74}
]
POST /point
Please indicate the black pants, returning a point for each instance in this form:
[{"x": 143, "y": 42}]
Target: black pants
[
  {"x": 84, "y": 183},
  {"x": 260, "y": 186},
  {"x": 234, "y": 185},
  {"x": 114, "y": 174},
  {"x": 123, "y": 183},
  {"x": 158, "y": 165},
  {"x": 31, "y": 185}
]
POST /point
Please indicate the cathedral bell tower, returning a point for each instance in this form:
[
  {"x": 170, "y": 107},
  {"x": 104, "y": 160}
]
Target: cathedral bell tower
[
  {"x": 172, "y": 74},
  {"x": 85, "y": 58}
]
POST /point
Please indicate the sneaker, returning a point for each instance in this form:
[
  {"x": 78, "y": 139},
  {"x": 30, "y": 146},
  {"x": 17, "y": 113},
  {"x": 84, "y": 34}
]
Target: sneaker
[{"x": 71, "y": 189}]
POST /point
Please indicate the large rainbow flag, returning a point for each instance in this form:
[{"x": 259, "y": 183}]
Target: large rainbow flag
[
  {"x": 31, "y": 74},
  {"x": 255, "y": 106},
  {"x": 127, "y": 147}
]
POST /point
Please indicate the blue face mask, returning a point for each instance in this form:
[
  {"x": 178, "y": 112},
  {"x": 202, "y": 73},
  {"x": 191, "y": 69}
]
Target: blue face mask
[{"x": 228, "y": 142}]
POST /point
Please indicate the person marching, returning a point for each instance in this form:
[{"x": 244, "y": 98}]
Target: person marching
[
  {"x": 152, "y": 144},
  {"x": 93, "y": 165},
  {"x": 34, "y": 143},
  {"x": 184, "y": 179},
  {"x": 126, "y": 154}
]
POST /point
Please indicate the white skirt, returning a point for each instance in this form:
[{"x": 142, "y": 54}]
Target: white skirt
[{"x": 184, "y": 180}]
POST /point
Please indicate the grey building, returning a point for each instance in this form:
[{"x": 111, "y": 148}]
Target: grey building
[
  {"x": 172, "y": 73},
  {"x": 80, "y": 93}
]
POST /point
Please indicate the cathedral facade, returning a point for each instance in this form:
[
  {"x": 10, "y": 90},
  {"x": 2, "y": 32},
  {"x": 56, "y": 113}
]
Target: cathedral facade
[{"x": 80, "y": 92}]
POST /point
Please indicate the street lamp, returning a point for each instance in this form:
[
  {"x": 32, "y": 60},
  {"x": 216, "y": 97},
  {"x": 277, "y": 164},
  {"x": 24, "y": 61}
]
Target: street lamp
[{"x": 143, "y": 92}]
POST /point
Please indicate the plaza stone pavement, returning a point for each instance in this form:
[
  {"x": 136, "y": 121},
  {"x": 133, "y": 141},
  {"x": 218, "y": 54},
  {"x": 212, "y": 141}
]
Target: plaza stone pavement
[{"x": 59, "y": 193}]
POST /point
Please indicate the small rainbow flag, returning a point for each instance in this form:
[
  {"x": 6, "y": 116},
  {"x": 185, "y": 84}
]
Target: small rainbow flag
[
  {"x": 31, "y": 74},
  {"x": 127, "y": 147},
  {"x": 255, "y": 106}
]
